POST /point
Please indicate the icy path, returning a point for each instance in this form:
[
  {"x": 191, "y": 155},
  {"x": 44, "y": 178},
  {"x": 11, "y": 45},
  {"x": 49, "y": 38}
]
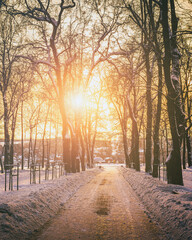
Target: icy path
[{"x": 105, "y": 208}]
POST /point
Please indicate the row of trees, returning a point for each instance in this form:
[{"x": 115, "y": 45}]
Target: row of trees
[
  {"x": 140, "y": 61},
  {"x": 159, "y": 46}
]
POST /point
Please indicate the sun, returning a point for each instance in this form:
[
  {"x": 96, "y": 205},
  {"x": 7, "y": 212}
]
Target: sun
[
  {"x": 75, "y": 102},
  {"x": 78, "y": 101}
]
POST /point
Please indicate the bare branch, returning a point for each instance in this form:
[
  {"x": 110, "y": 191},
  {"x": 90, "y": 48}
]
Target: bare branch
[{"x": 36, "y": 62}]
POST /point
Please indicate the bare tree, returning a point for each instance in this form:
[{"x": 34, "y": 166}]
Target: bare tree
[
  {"x": 40, "y": 12},
  {"x": 155, "y": 23},
  {"x": 141, "y": 19},
  {"x": 175, "y": 111},
  {"x": 186, "y": 69},
  {"x": 10, "y": 80}
]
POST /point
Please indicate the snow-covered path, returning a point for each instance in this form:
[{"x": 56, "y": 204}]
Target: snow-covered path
[
  {"x": 105, "y": 208},
  {"x": 102, "y": 200}
]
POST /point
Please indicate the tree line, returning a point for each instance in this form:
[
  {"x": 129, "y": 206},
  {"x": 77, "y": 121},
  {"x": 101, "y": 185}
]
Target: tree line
[{"x": 139, "y": 50}]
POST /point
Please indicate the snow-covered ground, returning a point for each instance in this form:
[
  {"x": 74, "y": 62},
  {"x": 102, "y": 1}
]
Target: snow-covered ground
[
  {"x": 170, "y": 206},
  {"x": 24, "y": 178},
  {"x": 187, "y": 175},
  {"x": 25, "y": 211}
]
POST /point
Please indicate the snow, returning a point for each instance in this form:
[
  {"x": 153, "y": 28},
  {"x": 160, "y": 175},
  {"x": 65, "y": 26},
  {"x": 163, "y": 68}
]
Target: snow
[
  {"x": 25, "y": 211},
  {"x": 170, "y": 206},
  {"x": 187, "y": 175}
]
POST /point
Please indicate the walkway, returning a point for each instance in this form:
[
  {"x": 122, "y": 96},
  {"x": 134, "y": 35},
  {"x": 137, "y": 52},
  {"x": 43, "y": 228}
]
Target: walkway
[{"x": 105, "y": 208}]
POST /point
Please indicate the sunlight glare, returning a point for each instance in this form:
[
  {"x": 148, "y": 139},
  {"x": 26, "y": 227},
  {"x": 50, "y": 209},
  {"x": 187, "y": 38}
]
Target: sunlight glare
[{"x": 77, "y": 101}]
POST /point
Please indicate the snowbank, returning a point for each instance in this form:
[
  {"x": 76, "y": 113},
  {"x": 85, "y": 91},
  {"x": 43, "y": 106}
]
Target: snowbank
[
  {"x": 25, "y": 211},
  {"x": 168, "y": 205}
]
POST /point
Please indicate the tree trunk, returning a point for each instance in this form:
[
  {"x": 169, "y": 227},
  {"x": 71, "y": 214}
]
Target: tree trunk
[
  {"x": 134, "y": 155},
  {"x": 6, "y": 133},
  {"x": 157, "y": 50},
  {"x": 73, "y": 154},
  {"x": 14, "y": 119},
  {"x": 167, "y": 140},
  {"x": 34, "y": 147},
  {"x": 135, "y": 135},
  {"x": 149, "y": 115},
  {"x": 66, "y": 153},
  {"x": 43, "y": 138},
  {"x": 82, "y": 151},
  {"x": 89, "y": 157},
  {"x": 93, "y": 146},
  {"x": 136, "y": 147},
  {"x": 88, "y": 153},
  {"x": 56, "y": 139},
  {"x": 156, "y": 143},
  {"x": 184, "y": 159},
  {"x": 189, "y": 154},
  {"x": 125, "y": 146},
  {"x": 30, "y": 145},
  {"x": 175, "y": 113},
  {"x": 1, "y": 164},
  {"x": 22, "y": 140},
  {"x": 49, "y": 141}
]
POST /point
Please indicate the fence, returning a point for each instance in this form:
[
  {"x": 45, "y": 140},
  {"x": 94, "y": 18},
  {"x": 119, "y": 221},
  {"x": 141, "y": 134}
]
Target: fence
[
  {"x": 11, "y": 171},
  {"x": 34, "y": 169},
  {"x": 57, "y": 170},
  {"x": 35, "y": 173},
  {"x": 162, "y": 170}
]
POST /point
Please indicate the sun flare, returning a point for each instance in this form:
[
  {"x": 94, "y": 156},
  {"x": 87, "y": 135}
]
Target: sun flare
[{"x": 78, "y": 101}]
